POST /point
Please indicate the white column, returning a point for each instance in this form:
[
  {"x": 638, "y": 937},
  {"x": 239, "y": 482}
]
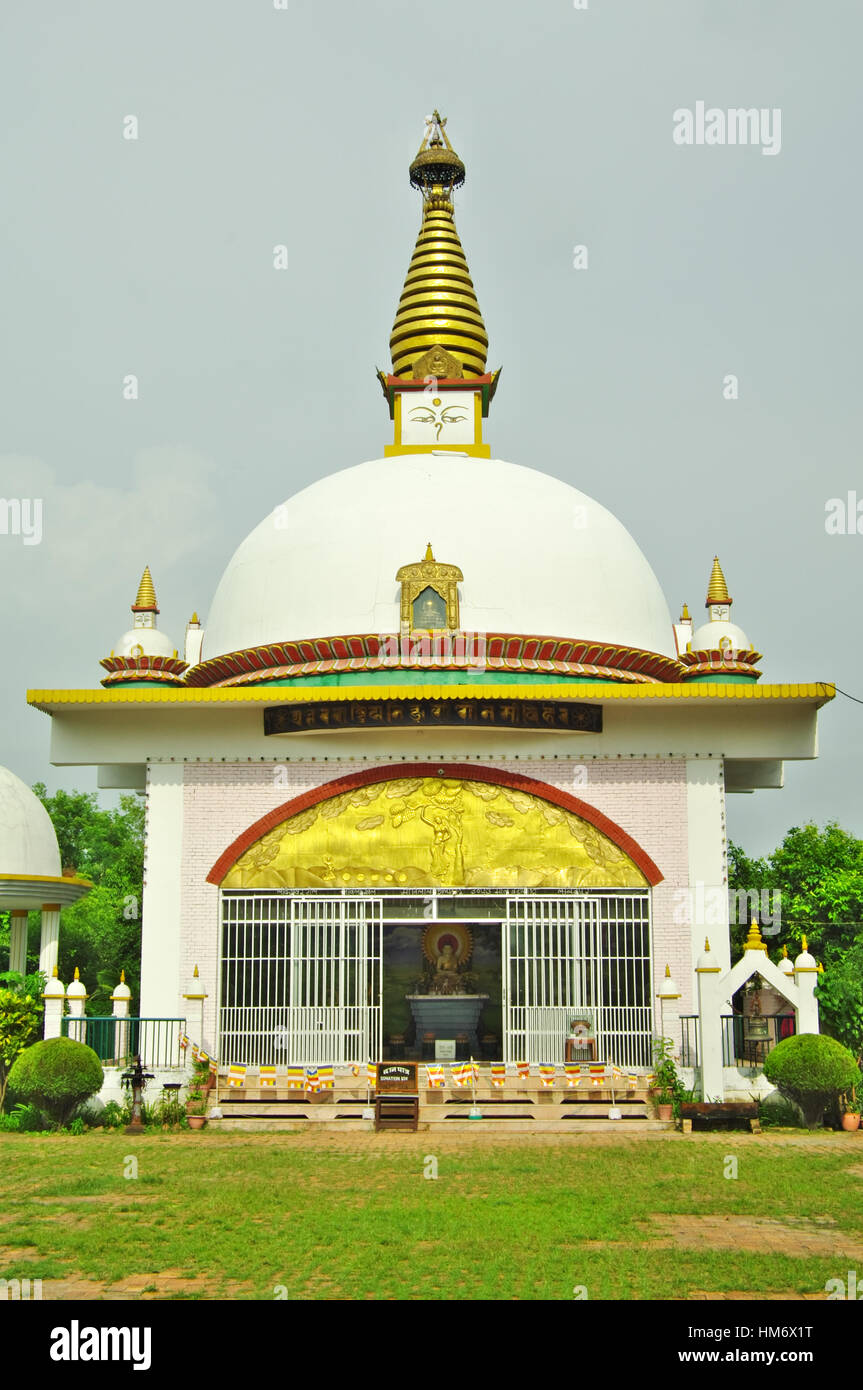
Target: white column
[
  {"x": 195, "y": 997},
  {"x": 806, "y": 978},
  {"x": 161, "y": 979},
  {"x": 18, "y": 941},
  {"x": 120, "y": 1001},
  {"x": 708, "y": 972},
  {"x": 50, "y": 942},
  {"x": 54, "y": 997},
  {"x": 76, "y": 998}
]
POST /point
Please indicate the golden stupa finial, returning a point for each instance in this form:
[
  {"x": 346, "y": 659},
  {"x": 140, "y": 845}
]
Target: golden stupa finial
[
  {"x": 77, "y": 976},
  {"x": 753, "y": 941},
  {"x": 429, "y": 555},
  {"x": 707, "y": 944},
  {"x": 122, "y": 977},
  {"x": 684, "y": 614},
  {"x": 195, "y": 973},
  {"x": 717, "y": 589},
  {"x": 668, "y": 972},
  {"x": 804, "y": 944},
  {"x": 54, "y": 973},
  {"x": 438, "y": 330},
  {"x": 820, "y": 968},
  {"x": 784, "y": 952},
  {"x": 146, "y": 597}
]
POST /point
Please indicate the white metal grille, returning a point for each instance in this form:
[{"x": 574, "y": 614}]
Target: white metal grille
[
  {"x": 564, "y": 953},
  {"x": 301, "y": 979}
]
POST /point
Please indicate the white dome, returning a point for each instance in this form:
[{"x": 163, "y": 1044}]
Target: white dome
[
  {"x": 538, "y": 557},
  {"x": 150, "y": 640},
  {"x": 28, "y": 844},
  {"x": 709, "y": 635}
]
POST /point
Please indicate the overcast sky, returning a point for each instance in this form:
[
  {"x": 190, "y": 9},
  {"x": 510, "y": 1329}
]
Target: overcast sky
[{"x": 259, "y": 126}]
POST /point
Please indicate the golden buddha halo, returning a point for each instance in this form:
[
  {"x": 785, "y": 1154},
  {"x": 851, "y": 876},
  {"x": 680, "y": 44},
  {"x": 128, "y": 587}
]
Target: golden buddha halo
[{"x": 438, "y": 313}]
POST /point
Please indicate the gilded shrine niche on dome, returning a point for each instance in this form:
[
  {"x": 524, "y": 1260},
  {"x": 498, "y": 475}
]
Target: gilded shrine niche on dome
[
  {"x": 429, "y": 832},
  {"x": 429, "y": 595}
]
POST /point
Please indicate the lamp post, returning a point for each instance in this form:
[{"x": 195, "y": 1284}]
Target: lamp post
[{"x": 137, "y": 1078}]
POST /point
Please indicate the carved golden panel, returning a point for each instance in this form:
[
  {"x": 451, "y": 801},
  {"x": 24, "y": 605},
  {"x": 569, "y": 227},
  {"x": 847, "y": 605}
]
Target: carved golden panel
[{"x": 429, "y": 832}]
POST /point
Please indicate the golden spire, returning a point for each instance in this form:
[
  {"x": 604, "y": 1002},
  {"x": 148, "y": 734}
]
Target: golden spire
[
  {"x": 684, "y": 614},
  {"x": 438, "y": 316},
  {"x": 707, "y": 944},
  {"x": 717, "y": 589},
  {"x": 753, "y": 941},
  {"x": 145, "y": 600},
  {"x": 429, "y": 555},
  {"x": 77, "y": 976},
  {"x": 804, "y": 943},
  {"x": 122, "y": 977}
]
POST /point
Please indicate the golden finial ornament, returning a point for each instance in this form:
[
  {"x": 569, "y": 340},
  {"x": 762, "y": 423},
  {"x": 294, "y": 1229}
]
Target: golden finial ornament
[
  {"x": 77, "y": 976},
  {"x": 122, "y": 977},
  {"x": 684, "y": 615},
  {"x": 707, "y": 944},
  {"x": 753, "y": 941},
  {"x": 668, "y": 972},
  {"x": 438, "y": 321},
  {"x": 145, "y": 600},
  {"x": 804, "y": 944},
  {"x": 717, "y": 589}
]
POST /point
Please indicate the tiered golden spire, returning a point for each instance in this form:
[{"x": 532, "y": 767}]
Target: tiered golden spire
[
  {"x": 753, "y": 941},
  {"x": 438, "y": 312},
  {"x": 146, "y": 596},
  {"x": 717, "y": 589}
]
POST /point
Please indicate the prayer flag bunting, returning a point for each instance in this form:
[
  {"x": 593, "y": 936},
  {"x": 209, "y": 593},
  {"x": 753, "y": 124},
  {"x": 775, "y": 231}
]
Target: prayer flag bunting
[
  {"x": 267, "y": 1076},
  {"x": 546, "y": 1075},
  {"x": 435, "y": 1076},
  {"x": 296, "y": 1078},
  {"x": 236, "y": 1075},
  {"x": 523, "y": 1070},
  {"x": 498, "y": 1074},
  {"x": 372, "y": 1075},
  {"x": 312, "y": 1082},
  {"x": 326, "y": 1078},
  {"x": 572, "y": 1072}
]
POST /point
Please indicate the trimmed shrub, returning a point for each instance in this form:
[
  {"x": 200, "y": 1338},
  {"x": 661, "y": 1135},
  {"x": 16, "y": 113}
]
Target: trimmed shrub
[
  {"x": 811, "y": 1070},
  {"x": 56, "y": 1076}
]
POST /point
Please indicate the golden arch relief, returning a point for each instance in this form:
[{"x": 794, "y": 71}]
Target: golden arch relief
[{"x": 424, "y": 832}]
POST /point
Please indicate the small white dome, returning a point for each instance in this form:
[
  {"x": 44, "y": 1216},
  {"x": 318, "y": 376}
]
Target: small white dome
[
  {"x": 707, "y": 637},
  {"x": 150, "y": 640},
  {"x": 28, "y": 844},
  {"x": 538, "y": 558}
]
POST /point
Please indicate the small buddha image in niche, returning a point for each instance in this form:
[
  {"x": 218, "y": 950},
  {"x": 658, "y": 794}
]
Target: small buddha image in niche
[
  {"x": 429, "y": 609},
  {"x": 447, "y": 949},
  {"x": 439, "y": 419}
]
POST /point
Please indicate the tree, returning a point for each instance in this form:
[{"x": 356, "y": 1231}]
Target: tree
[
  {"x": 812, "y": 1071},
  {"x": 820, "y": 876},
  {"x": 20, "y": 1020},
  {"x": 840, "y": 1000},
  {"x": 101, "y": 933},
  {"x": 56, "y": 1076}
]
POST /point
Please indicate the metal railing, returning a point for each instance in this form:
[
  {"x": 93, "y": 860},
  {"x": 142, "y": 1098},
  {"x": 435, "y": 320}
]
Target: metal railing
[
  {"x": 283, "y": 1035},
  {"x": 117, "y": 1040},
  {"x": 689, "y": 1040}
]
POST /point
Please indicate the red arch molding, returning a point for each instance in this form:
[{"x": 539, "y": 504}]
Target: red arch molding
[{"x": 514, "y": 780}]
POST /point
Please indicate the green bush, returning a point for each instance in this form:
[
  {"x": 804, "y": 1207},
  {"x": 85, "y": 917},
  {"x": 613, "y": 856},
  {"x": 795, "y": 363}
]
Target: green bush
[
  {"x": 56, "y": 1076},
  {"x": 811, "y": 1070}
]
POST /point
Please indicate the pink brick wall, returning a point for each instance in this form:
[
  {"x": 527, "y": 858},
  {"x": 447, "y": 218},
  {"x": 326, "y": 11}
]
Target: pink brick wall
[{"x": 646, "y": 797}]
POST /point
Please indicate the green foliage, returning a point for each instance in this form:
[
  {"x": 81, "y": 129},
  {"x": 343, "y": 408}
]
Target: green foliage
[
  {"x": 840, "y": 999},
  {"x": 20, "y": 1021},
  {"x": 666, "y": 1081},
  {"x": 820, "y": 876},
  {"x": 812, "y": 1070},
  {"x": 22, "y": 1119},
  {"x": 56, "y": 1076}
]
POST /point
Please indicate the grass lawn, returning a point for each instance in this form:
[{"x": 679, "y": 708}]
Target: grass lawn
[{"x": 215, "y": 1215}]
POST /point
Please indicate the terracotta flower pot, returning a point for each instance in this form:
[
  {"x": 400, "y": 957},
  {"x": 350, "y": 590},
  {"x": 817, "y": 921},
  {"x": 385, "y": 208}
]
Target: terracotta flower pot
[
  {"x": 850, "y": 1120},
  {"x": 196, "y": 1121},
  {"x": 664, "y": 1112}
]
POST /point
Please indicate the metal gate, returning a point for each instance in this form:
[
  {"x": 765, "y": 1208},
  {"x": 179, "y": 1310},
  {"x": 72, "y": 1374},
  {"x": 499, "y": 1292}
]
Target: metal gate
[
  {"x": 565, "y": 954},
  {"x": 301, "y": 979}
]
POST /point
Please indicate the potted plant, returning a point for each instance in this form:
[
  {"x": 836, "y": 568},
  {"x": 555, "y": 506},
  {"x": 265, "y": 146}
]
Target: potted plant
[
  {"x": 194, "y": 1099},
  {"x": 196, "y": 1113},
  {"x": 667, "y": 1087},
  {"x": 850, "y": 1118}
]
